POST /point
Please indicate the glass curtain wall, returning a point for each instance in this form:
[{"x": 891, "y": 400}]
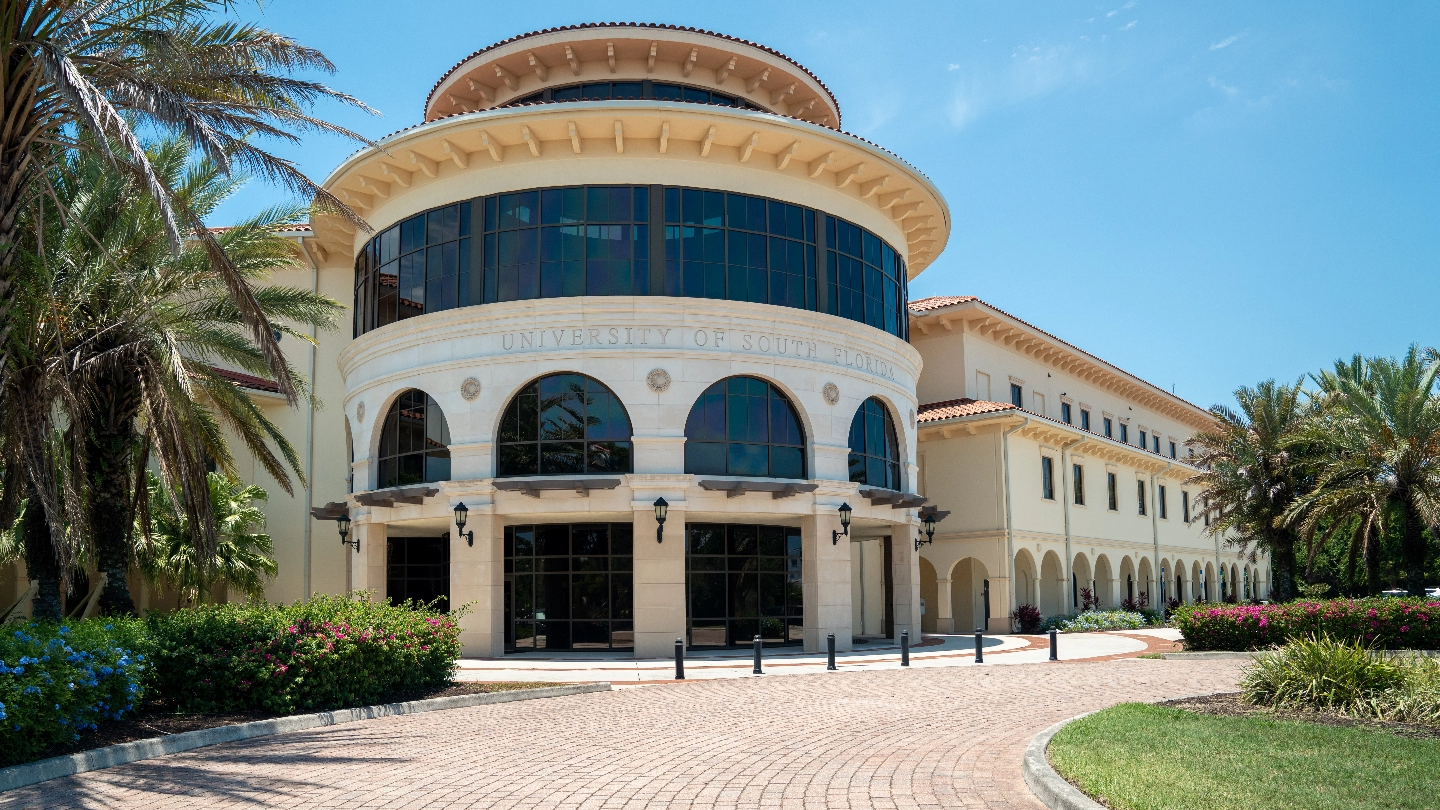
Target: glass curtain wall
[
  {"x": 629, "y": 240},
  {"x": 744, "y": 426},
  {"x": 742, "y": 581},
  {"x": 604, "y": 91},
  {"x": 414, "y": 442},
  {"x": 874, "y": 451},
  {"x": 569, "y": 587},
  {"x": 564, "y": 423}
]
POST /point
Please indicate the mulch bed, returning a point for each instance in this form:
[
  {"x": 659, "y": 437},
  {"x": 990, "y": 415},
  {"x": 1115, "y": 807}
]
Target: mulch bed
[
  {"x": 156, "y": 719},
  {"x": 1233, "y": 705}
]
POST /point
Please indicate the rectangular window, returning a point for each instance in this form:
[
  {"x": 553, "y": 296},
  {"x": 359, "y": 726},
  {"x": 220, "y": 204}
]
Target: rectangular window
[
  {"x": 1078, "y": 473},
  {"x": 1143, "y": 440},
  {"x": 1185, "y": 506},
  {"x": 1160, "y": 496},
  {"x": 1157, "y": 445},
  {"x": 1172, "y": 450},
  {"x": 1047, "y": 478},
  {"x": 1017, "y": 396},
  {"x": 1084, "y": 420},
  {"x": 1109, "y": 428},
  {"x": 1124, "y": 433},
  {"x": 1065, "y": 412},
  {"x": 1140, "y": 495},
  {"x": 1112, "y": 491}
]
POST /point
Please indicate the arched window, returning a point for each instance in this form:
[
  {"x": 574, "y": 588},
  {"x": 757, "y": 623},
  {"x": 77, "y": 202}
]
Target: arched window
[
  {"x": 744, "y": 426},
  {"x": 414, "y": 442},
  {"x": 564, "y": 424},
  {"x": 874, "y": 452}
]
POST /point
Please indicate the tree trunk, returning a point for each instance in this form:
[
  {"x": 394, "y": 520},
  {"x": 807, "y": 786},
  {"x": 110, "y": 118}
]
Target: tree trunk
[
  {"x": 1413, "y": 550},
  {"x": 1372, "y": 561},
  {"x": 40, "y": 561},
  {"x": 1282, "y": 567},
  {"x": 110, "y": 457}
]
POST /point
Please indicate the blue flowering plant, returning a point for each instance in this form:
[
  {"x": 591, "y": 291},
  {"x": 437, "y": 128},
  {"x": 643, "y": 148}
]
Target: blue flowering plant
[{"x": 59, "y": 680}]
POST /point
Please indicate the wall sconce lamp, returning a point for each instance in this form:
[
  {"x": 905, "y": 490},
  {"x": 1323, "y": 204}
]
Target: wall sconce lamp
[
  {"x": 835, "y": 536},
  {"x": 928, "y": 522},
  {"x": 343, "y": 524},
  {"x": 462, "y": 516},
  {"x": 661, "y": 510}
]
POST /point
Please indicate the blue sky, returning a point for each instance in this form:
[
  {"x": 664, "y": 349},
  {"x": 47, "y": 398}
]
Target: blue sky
[{"x": 1206, "y": 195}]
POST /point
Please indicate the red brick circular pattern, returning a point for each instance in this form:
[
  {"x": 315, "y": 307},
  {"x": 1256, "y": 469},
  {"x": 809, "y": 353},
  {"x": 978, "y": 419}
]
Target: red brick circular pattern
[{"x": 919, "y": 738}]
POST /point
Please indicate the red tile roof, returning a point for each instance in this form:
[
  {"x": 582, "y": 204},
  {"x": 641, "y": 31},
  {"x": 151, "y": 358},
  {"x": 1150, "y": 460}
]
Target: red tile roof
[
  {"x": 250, "y": 381},
  {"x": 940, "y": 302},
  {"x": 956, "y": 408},
  {"x": 660, "y": 26}
]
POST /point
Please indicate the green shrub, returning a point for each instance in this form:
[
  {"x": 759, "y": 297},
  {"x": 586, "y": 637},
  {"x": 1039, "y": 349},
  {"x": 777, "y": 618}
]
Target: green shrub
[
  {"x": 1095, "y": 620},
  {"x": 1384, "y": 622},
  {"x": 1320, "y": 673},
  {"x": 57, "y": 680},
  {"x": 329, "y": 652}
]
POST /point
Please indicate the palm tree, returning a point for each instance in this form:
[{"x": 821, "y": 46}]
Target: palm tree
[
  {"x": 1380, "y": 437},
  {"x": 84, "y": 76},
  {"x": 168, "y": 549},
  {"x": 140, "y": 330},
  {"x": 1251, "y": 477}
]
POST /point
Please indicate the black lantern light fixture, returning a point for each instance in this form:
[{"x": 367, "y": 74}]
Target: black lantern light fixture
[
  {"x": 661, "y": 510},
  {"x": 835, "y": 536},
  {"x": 927, "y": 522},
  {"x": 342, "y": 523},
  {"x": 462, "y": 516}
]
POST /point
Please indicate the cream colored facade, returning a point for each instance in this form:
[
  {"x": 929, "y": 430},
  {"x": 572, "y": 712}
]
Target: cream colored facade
[{"x": 780, "y": 140}]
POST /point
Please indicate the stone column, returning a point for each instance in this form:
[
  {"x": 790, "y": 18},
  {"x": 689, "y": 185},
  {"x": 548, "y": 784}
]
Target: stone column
[
  {"x": 999, "y": 598},
  {"x": 659, "y": 581},
  {"x": 825, "y": 581},
  {"x": 367, "y": 569},
  {"x": 905, "y": 580},
  {"x": 945, "y": 611},
  {"x": 477, "y": 578},
  {"x": 1115, "y": 593}
]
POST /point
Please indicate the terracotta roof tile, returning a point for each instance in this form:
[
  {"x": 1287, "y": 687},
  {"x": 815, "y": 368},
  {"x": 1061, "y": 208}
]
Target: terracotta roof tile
[
  {"x": 660, "y": 26},
  {"x": 250, "y": 381},
  {"x": 956, "y": 408},
  {"x": 940, "y": 302}
]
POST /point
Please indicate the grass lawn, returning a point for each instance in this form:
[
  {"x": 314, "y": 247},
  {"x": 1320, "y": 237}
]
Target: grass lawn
[{"x": 1136, "y": 756}]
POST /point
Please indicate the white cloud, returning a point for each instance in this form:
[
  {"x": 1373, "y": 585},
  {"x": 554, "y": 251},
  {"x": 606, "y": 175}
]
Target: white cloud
[
  {"x": 1228, "y": 41},
  {"x": 1034, "y": 71},
  {"x": 1130, "y": 4},
  {"x": 1129, "y": 25},
  {"x": 952, "y": 66}
]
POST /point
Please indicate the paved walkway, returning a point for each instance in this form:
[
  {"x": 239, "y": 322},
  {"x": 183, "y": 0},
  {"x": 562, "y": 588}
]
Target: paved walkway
[
  {"x": 918, "y": 738},
  {"x": 935, "y": 651}
]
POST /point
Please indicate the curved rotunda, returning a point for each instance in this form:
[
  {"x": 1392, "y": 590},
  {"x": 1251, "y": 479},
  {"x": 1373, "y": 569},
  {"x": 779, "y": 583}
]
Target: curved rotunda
[{"x": 618, "y": 264}]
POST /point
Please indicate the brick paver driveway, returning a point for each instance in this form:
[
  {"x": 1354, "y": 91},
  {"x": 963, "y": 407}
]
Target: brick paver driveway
[{"x": 890, "y": 739}]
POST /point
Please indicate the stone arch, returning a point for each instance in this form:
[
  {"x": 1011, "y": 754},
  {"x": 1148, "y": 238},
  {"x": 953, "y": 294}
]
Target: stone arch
[
  {"x": 1145, "y": 582},
  {"x": 1234, "y": 584},
  {"x": 1197, "y": 582},
  {"x": 1128, "y": 585},
  {"x": 969, "y": 596},
  {"x": 1175, "y": 585},
  {"x": 1052, "y": 585},
  {"x": 929, "y": 593},
  {"x": 1081, "y": 576},
  {"x": 1212, "y": 585},
  {"x": 1105, "y": 582},
  {"x": 1027, "y": 579},
  {"x": 588, "y": 431}
]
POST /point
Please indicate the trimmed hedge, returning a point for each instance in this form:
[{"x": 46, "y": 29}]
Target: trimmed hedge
[
  {"x": 327, "y": 653},
  {"x": 57, "y": 680},
  {"x": 1381, "y": 622}
]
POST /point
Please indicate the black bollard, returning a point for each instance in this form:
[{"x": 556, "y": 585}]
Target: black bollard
[
  {"x": 830, "y": 646},
  {"x": 904, "y": 648},
  {"x": 979, "y": 647},
  {"x": 1054, "y": 645},
  {"x": 756, "y": 670},
  {"x": 679, "y": 659}
]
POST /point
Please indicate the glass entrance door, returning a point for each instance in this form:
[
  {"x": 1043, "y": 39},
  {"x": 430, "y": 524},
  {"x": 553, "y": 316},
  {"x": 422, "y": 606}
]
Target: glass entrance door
[
  {"x": 569, "y": 587},
  {"x": 743, "y": 580}
]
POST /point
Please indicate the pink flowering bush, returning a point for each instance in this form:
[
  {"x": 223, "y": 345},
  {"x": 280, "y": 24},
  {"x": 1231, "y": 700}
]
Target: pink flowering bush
[
  {"x": 1383, "y": 623},
  {"x": 327, "y": 653}
]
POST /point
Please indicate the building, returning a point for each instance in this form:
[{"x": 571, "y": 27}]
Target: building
[{"x": 629, "y": 272}]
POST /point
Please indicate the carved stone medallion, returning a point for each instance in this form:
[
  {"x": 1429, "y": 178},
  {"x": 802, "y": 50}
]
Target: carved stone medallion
[
  {"x": 658, "y": 380},
  {"x": 470, "y": 389},
  {"x": 831, "y": 393}
]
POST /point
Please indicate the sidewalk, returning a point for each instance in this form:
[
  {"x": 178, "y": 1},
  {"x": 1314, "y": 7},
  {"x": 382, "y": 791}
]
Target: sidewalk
[{"x": 931, "y": 651}]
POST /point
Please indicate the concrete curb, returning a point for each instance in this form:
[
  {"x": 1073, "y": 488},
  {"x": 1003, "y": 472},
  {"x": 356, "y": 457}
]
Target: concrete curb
[
  {"x": 17, "y": 776},
  {"x": 1213, "y": 655},
  {"x": 1049, "y": 787},
  {"x": 1052, "y": 789}
]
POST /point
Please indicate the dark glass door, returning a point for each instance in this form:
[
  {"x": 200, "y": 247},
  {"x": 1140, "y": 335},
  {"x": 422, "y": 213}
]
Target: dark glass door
[
  {"x": 418, "y": 568},
  {"x": 742, "y": 581},
  {"x": 569, "y": 587}
]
